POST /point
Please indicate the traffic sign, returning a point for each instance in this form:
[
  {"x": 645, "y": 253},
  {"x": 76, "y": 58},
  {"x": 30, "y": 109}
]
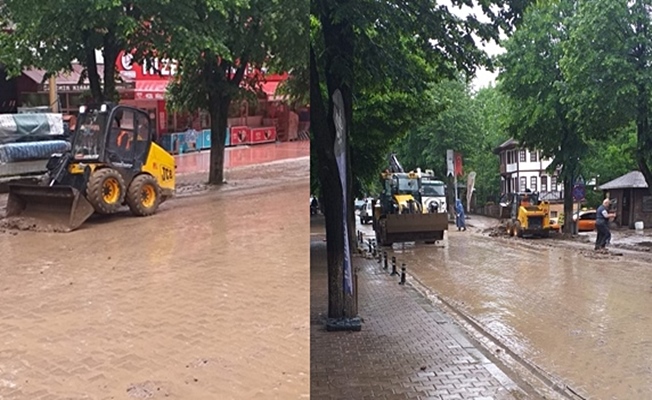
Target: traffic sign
[{"x": 579, "y": 192}]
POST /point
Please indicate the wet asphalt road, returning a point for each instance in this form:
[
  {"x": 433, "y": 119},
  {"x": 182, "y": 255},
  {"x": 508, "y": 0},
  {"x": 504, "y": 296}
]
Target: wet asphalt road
[{"x": 579, "y": 317}]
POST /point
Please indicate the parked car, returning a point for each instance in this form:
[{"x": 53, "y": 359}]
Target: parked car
[
  {"x": 358, "y": 204},
  {"x": 586, "y": 221},
  {"x": 367, "y": 212}
]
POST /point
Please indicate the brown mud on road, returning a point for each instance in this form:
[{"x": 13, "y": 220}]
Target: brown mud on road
[
  {"x": 251, "y": 177},
  {"x": 582, "y": 318},
  {"x": 625, "y": 243},
  {"x": 206, "y": 299}
]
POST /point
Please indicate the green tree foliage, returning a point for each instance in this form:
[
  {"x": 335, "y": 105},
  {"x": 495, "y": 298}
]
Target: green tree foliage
[
  {"x": 368, "y": 43},
  {"x": 491, "y": 106},
  {"x": 52, "y": 34},
  {"x": 454, "y": 123},
  {"x": 608, "y": 159},
  {"x": 216, "y": 43},
  {"x": 472, "y": 125},
  {"x": 608, "y": 64},
  {"x": 380, "y": 117},
  {"x": 533, "y": 81}
]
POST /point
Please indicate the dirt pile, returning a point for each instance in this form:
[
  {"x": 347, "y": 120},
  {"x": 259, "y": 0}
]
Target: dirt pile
[
  {"x": 600, "y": 256},
  {"x": 643, "y": 246},
  {"x": 29, "y": 224},
  {"x": 498, "y": 230}
]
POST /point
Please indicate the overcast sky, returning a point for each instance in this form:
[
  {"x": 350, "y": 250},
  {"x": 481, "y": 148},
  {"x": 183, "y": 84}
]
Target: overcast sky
[{"x": 483, "y": 77}]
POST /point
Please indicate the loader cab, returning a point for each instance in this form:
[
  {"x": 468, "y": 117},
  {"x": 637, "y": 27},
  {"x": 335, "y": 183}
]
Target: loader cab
[
  {"x": 405, "y": 184},
  {"x": 116, "y": 135},
  {"x": 527, "y": 200}
]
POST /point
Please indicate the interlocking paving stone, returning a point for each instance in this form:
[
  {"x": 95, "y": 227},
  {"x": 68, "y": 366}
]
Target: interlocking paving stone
[{"x": 406, "y": 349}]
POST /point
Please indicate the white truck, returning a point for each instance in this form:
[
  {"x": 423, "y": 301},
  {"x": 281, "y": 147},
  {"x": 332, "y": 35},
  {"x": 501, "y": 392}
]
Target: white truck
[{"x": 433, "y": 192}]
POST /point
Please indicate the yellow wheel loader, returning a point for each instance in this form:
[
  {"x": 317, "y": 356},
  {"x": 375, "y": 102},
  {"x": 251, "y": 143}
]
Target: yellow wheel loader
[
  {"x": 399, "y": 215},
  {"x": 113, "y": 162},
  {"x": 529, "y": 217}
]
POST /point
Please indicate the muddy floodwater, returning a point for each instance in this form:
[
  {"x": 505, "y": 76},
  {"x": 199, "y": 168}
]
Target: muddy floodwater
[
  {"x": 583, "y": 319},
  {"x": 207, "y": 299}
]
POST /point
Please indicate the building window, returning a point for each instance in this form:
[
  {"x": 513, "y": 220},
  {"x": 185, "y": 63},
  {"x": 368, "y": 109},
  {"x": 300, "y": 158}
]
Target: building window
[
  {"x": 553, "y": 214},
  {"x": 533, "y": 156},
  {"x": 523, "y": 184},
  {"x": 544, "y": 183},
  {"x": 533, "y": 183},
  {"x": 553, "y": 184},
  {"x": 522, "y": 156}
]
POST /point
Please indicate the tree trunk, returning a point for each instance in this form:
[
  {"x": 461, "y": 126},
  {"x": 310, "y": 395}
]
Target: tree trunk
[
  {"x": 110, "y": 53},
  {"x": 91, "y": 69},
  {"x": 568, "y": 205},
  {"x": 338, "y": 57},
  {"x": 331, "y": 189},
  {"x": 218, "y": 109}
]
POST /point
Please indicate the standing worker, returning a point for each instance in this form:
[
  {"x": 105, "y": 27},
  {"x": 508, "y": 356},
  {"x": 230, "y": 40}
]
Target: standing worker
[
  {"x": 603, "y": 216},
  {"x": 459, "y": 214}
]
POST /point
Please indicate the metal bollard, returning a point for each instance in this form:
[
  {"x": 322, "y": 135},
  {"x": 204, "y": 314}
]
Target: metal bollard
[
  {"x": 402, "y": 282},
  {"x": 394, "y": 267},
  {"x": 385, "y": 267}
]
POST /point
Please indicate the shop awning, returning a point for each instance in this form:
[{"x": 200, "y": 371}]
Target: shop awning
[
  {"x": 150, "y": 90},
  {"x": 270, "y": 90}
]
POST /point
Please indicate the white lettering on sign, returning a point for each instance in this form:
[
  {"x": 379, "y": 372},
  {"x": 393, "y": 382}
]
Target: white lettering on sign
[
  {"x": 164, "y": 67},
  {"x": 125, "y": 61}
]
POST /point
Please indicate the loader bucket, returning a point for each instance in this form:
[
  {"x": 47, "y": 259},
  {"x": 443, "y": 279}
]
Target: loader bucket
[{"x": 58, "y": 208}]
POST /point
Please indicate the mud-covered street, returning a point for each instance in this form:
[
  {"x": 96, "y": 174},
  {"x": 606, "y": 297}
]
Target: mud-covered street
[
  {"x": 583, "y": 319},
  {"x": 206, "y": 299}
]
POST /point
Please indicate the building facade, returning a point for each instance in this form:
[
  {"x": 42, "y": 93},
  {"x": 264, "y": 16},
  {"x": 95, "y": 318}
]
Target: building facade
[
  {"x": 524, "y": 169},
  {"x": 631, "y": 199}
]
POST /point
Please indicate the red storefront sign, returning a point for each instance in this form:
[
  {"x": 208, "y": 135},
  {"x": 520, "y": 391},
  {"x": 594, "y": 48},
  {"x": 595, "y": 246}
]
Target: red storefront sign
[
  {"x": 152, "y": 80},
  {"x": 263, "y": 135},
  {"x": 240, "y": 135}
]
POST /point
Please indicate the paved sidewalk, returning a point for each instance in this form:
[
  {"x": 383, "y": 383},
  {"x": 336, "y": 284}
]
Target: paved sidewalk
[
  {"x": 241, "y": 156},
  {"x": 407, "y": 349}
]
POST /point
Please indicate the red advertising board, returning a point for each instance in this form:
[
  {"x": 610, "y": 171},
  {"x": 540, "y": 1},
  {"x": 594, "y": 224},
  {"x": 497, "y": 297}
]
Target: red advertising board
[
  {"x": 263, "y": 135},
  {"x": 240, "y": 135}
]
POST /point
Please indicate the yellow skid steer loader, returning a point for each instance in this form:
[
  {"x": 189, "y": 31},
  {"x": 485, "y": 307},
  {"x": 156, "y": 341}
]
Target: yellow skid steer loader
[{"x": 113, "y": 161}]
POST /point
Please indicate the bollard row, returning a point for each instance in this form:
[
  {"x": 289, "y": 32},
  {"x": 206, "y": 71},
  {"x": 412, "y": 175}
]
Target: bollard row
[{"x": 384, "y": 259}]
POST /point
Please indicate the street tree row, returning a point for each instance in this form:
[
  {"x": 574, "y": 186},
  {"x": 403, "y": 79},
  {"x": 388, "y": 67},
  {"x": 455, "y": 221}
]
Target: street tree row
[
  {"x": 380, "y": 57},
  {"x": 578, "y": 77},
  {"x": 213, "y": 41}
]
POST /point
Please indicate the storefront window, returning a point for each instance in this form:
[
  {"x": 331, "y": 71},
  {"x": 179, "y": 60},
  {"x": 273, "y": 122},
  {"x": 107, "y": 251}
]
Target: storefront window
[
  {"x": 63, "y": 99},
  {"x": 171, "y": 122},
  {"x": 75, "y": 100},
  {"x": 34, "y": 99},
  {"x": 183, "y": 119},
  {"x": 205, "y": 120}
]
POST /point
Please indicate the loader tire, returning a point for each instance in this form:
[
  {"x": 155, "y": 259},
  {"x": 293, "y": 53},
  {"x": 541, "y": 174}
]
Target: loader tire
[
  {"x": 510, "y": 228},
  {"x": 106, "y": 191},
  {"x": 144, "y": 196}
]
